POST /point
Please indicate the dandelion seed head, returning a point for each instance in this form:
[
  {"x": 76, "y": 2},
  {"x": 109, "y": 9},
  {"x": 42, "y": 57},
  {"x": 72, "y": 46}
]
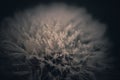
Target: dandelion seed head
[{"x": 62, "y": 32}]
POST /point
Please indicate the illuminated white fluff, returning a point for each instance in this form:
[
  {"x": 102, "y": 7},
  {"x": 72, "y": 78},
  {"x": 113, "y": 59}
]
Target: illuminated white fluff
[{"x": 59, "y": 28}]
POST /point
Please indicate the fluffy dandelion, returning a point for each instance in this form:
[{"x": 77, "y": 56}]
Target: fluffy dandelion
[{"x": 55, "y": 42}]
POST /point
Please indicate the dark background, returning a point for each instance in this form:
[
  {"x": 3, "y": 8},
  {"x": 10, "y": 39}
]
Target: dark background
[{"x": 106, "y": 11}]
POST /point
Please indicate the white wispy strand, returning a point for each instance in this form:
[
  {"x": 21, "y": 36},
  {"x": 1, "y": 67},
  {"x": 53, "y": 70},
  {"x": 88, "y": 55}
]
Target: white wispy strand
[{"x": 60, "y": 28}]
